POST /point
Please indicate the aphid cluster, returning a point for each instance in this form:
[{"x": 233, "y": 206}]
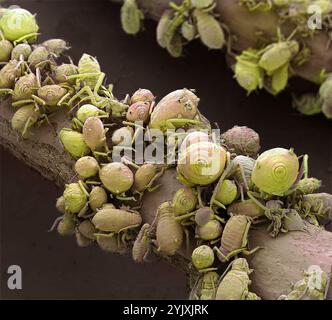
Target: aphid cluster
[
  {"x": 227, "y": 187},
  {"x": 38, "y": 80},
  {"x": 270, "y": 66},
  {"x": 187, "y": 21}
]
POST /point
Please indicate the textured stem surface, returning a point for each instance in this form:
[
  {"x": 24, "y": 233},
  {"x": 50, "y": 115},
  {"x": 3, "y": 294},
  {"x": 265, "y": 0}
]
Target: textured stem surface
[{"x": 280, "y": 263}]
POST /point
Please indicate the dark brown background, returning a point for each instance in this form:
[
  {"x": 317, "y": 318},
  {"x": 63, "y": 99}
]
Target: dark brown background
[{"x": 54, "y": 267}]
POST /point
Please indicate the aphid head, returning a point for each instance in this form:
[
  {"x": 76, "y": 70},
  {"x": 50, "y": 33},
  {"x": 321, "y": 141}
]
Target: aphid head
[
  {"x": 6, "y": 48},
  {"x": 75, "y": 197},
  {"x": 21, "y": 50},
  {"x": 184, "y": 201},
  {"x": 86, "y": 167},
  {"x": 73, "y": 143}
]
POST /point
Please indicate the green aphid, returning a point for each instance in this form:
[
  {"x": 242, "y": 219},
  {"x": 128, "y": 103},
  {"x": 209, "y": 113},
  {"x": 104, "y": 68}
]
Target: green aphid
[
  {"x": 163, "y": 27},
  {"x": 131, "y": 17},
  {"x": 24, "y": 118},
  {"x": 89, "y": 65},
  {"x": 209, "y": 29},
  {"x": 25, "y": 87},
  {"x": 174, "y": 46},
  {"x": 279, "y": 79},
  {"x": 22, "y": 50},
  {"x": 73, "y": 143},
  {"x": 235, "y": 284},
  {"x": 277, "y": 55},
  {"x": 75, "y": 197},
  {"x": 188, "y": 31},
  {"x": 205, "y": 287},
  {"x": 247, "y": 72},
  {"x": 9, "y": 73},
  {"x": 308, "y": 104},
  {"x": 6, "y": 48}
]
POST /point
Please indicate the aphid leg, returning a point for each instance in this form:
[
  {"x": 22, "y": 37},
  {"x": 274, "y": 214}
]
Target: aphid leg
[
  {"x": 25, "y": 37},
  {"x": 105, "y": 235},
  {"x": 186, "y": 232},
  {"x": 38, "y": 100},
  {"x": 99, "y": 83},
  {"x": 6, "y": 91},
  {"x": 82, "y": 186},
  {"x": 21, "y": 103},
  {"x": 125, "y": 198},
  {"x": 77, "y": 123},
  {"x": 129, "y": 228},
  {"x": 249, "y": 252},
  {"x": 26, "y": 127},
  {"x": 55, "y": 223},
  {"x": 61, "y": 101},
  {"x": 220, "y": 255},
  {"x": 86, "y": 90},
  {"x": 174, "y": 123},
  {"x": 83, "y": 211},
  {"x": 207, "y": 270},
  {"x": 185, "y": 216}
]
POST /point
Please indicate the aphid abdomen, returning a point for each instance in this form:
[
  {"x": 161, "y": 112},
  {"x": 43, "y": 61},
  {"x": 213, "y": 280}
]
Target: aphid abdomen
[
  {"x": 115, "y": 220},
  {"x": 169, "y": 235},
  {"x": 233, "y": 234}
]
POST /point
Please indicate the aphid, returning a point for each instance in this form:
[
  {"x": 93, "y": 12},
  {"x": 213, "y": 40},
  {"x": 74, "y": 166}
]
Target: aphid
[
  {"x": 25, "y": 87},
  {"x": 308, "y": 185},
  {"x": 145, "y": 176},
  {"x": 174, "y": 45},
  {"x": 178, "y": 108},
  {"x": 209, "y": 29},
  {"x": 293, "y": 222},
  {"x": 313, "y": 286},
  {"x": 278, "y": 54},
  {"x": 318, "y": 204},
  {"x": 247, "y": 71},
  {"x": 55, "y": 46},
  {"x": 123, "y": 136},
  {"x": 87, "y": 229},
  {"x": 209, "y": 231},
  {"x": 188, "y": 30},
  {"x": 75, "y": 197},
  {"x": 97, "y": 198},
  {"x": 163, "y": 28},
  {"x": 63, "y": 71},
  {"x": 234, "y": 285},
  {"x": 73, "y": 143},
  {"x": 201, "y": 163},
  {"x": 203, "y": 216},
  {"x": 38, "y": 56},
  {"x": 202, "y": 258},
  {"x": 242, "y": 167},
  {"x": 142, "y": 95},
  {"x": 234, "y": 238},
  {"x": 247, "y": 208},
  {"x": 192, "y": 138},
  {"x": 184, "y": 201},
  {"x": 276, "y": 171},
  {"x": 81, "y": 240},
  {"x": 94, "y": 133},
  {"x": 327, "y": 107},
  {"x": 205, "y": 287},
  {"x": 6, "y": 48},
  {"x": 26, "y": 29},
  {"x": 87, "y": 167},
  {"x": 242, "y": 141},
  {"x": 52, "y": 95},
  {"x": 169, "y": 233},
  {"x": 60, "y": 205},
  {"x": 116, "y": 177},
  {"x": 89, "y": 70},
  {"x": 67, "y": 225},
  {"x": 21, "y": 51},
  {"x": 139, "y": 111},
  {"x": 116, "y": 220},
  {"x": 131, "y": 17},
  {"x": 8, "y": 74},
  {"x": 279, "y": 79},
  {"x": 308, "y": 104},
  {"x": 24, "y": 118},
  {"x": 227, "y": 192},
  {"x": 112, "y": 244},
  {"x": 142, "y": 244}
]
